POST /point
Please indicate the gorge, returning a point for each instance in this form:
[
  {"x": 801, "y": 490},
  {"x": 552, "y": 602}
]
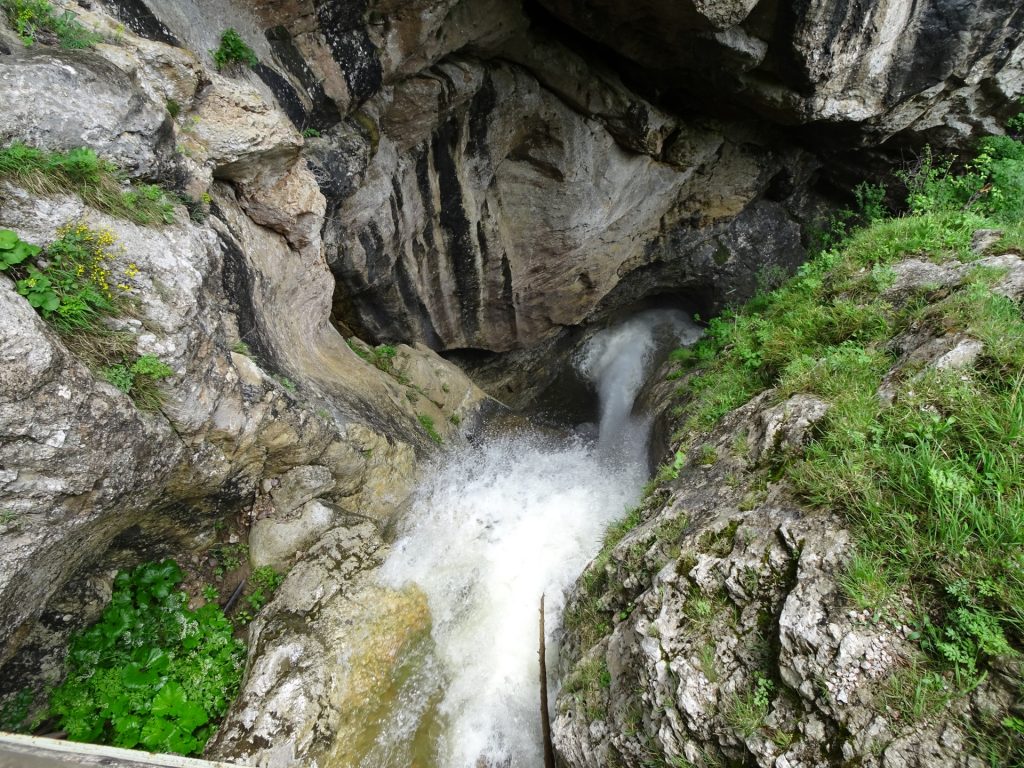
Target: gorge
[{"x": 391, "y": 290}]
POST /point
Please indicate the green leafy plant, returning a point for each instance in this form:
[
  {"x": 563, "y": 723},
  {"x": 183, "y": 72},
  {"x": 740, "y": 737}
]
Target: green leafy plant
[
  {"x": 36, "y": 19},
  {"x": 173, "y": 108},
  {"x": 98, "y": 182},
  {"x": 233, "y": 52},
  {"x": 229, "y": 557},
  {"x": 151, "y": 673},
  {"x": 14, "y": 250},
  {"x": 264, "y": 581},
  {"x": 72, "y": 287},
  {"x": 15, "y": 710},
  {"x": 138, "y": 380},
  {"x": 310, "y": 133}
]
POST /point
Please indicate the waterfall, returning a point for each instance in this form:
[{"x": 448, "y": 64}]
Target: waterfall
[{"x": 497, "y": 524}]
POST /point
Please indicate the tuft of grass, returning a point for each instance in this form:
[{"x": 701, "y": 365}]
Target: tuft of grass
[
  {"x": 96, "y": 181},
  {"x": 428, "y": 426},
  {"x": 36, "y": 21},
  {"x": 706, "y": 659},
  {"x": 707, "y": 456},
  {"x": 290, "y": 386},
  {"x": 916, "y": 692},
  {"x": 746, "y": 711},
  {"x": 869, "y": 582},
  {"x": 587, "y": 685},
  {"x": 139, "y": 380},
  {"x": 381, "y": 357}
]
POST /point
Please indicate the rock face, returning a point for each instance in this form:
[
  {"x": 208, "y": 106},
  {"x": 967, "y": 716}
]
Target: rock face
[
  {"x": 490, "y": 187},
  {"x": 939, "y": 68},
  {"x": 84, "y": 474}
]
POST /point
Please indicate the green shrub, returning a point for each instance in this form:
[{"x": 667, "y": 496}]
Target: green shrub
[
  {"x": 30, "y": 18},
  {"x": 310, "y": 133},
  {"x": 96, "y": 181},
  {"x": 151, "y": 673},
  {"x": 233, "y": 52}
]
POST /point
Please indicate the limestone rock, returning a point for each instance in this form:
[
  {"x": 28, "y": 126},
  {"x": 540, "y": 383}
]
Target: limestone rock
[
  {"x": 76, "y": 99},
  {"x": 490, "y": 229},
  {"x": 299, "y": 486},
  {"x": 239, "y": 132},
  {"x": 936, "y": 68},
  {"x": 276, "y": 539},
  {"x": 326, "y": 651},
  {"x": 785, "y": 427}
]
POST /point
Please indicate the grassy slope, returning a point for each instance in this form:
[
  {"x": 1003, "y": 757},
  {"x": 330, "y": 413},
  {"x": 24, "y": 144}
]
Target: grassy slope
[{"x": 931, "y": 483}]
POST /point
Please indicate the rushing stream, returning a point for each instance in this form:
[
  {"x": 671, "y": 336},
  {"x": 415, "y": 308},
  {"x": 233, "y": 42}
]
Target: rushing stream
[{"x": 494, "y": 526}]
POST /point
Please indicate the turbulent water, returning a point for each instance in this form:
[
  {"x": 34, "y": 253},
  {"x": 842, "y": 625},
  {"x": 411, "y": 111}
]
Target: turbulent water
[{"x": 495, "y": 526}]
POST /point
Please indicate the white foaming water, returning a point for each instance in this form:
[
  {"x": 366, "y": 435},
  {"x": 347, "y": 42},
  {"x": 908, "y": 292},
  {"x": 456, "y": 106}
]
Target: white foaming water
[
  {"x": 617, "y": 362},
  {"x": 497, "y": 525}
]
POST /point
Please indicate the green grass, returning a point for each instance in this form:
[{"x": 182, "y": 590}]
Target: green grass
[
  {"x": 746, "y": 711},
  {"x": 933, "y": 484},
  {"x": 82, "y": 172},
  {"x": 35, "y": 20},
  {"x": 428, "y": 426},
  {"x": 586, "y": 685},
  {"x": 381, "y": 357},
  {"x": 139, "y": 380}
]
